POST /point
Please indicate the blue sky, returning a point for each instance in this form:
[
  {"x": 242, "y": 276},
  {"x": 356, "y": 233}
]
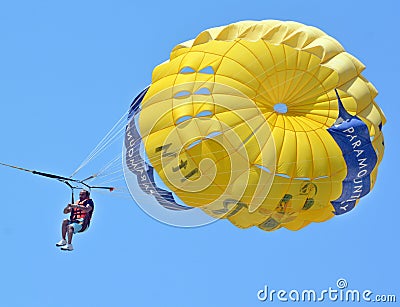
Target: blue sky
[{"x": 69, "y": 70}]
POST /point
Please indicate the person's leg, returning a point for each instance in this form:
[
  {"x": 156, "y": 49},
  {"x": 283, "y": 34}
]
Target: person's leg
[
  {"x": 70, "y": 233},
  {"x": 71, "y": 229},
  {"x": 64, "y": 226}
]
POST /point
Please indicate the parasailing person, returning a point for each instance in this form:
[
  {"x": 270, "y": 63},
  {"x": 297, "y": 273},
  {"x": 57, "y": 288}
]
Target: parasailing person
[{"x": 80, "y": 217}]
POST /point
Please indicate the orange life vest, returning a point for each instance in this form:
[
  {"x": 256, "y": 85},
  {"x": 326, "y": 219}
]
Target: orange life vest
[{"x": 80, "y": 216}]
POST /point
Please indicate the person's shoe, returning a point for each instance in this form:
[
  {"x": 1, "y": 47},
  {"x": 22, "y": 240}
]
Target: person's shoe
[
  {"x": 61, "y": 243},
  {"x": 67, "y": 247}
]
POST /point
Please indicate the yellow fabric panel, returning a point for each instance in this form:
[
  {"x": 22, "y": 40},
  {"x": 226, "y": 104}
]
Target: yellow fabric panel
[
  {"x": 256, "y": 142},
  {"x": 374, "y": 175},
  {"x": 279, "y": 188},
  {"x": 251, "y": 55},
  {"x": 345, "y": 67},
  {"x": 371, "y": 114},
  {"x": 320, "y": 156},
  {"x": 286, "y": 161},
  {"x": 236, "y": 84},
  {"x": 324, "y": 47},
  {"x": 154, "y": 119},
  {"x": 378, "y": 145},
  {"x": 331, "y": 163},
  {"x": 359, "y": 91},
  {"x": 372, "y": 89},
  {"x": 296, "y": 224},
  {"x": 318, "y": 119},
  {"x": 317, "y": 215},
  {"x": 304, "y": 156}
]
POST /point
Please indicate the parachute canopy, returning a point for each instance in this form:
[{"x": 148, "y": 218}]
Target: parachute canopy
[{"x": 264, "y": 123}]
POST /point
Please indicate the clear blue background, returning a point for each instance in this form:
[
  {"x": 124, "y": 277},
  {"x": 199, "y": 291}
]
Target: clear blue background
[{"x": 68, "y": 72}]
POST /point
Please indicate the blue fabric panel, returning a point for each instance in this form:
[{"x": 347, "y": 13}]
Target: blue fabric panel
[
  {"x": 144, "y": 172},
  {"x": 352, "y": 136}
]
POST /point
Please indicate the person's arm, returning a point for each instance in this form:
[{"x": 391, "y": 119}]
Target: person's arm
[
  {"x": 86, "y": 208},
  {"x": 67, "y": 209}
]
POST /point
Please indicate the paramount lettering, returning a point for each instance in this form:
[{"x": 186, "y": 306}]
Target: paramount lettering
[
  {"x": 362, "y": 173},
  {"x": 352, "y": 136},
  {"x": 361, "y": 163},
  {"x": 357, "y": 189},
  {"x": 359, "y": 152}
]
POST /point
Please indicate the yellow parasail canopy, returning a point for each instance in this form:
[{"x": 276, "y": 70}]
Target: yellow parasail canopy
[{"x": 265, "y": 123}]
